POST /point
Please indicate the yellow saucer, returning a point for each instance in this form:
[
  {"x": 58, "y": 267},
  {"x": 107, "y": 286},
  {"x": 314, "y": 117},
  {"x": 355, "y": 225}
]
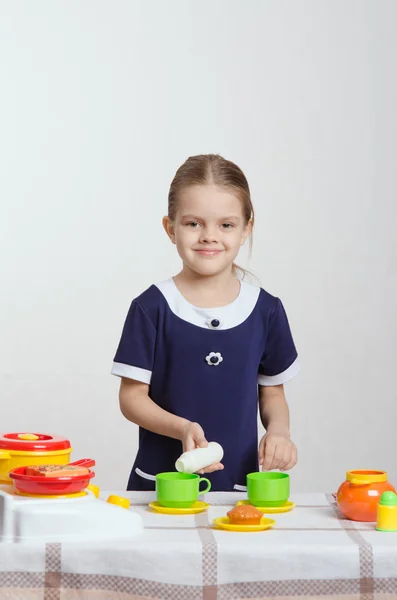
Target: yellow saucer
[
  {"x": 223, "y": 523},
  {"x": 197, "y": 507},
  {"x": 270, "y": 510}
]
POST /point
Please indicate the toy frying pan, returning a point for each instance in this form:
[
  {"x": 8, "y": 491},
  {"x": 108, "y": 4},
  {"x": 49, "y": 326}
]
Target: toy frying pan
[{"x": 38, "y": 484}]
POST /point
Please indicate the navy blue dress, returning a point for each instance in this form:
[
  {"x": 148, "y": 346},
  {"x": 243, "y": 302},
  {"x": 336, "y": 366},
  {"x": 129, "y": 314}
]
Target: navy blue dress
[{"x": 205, "y": 365}]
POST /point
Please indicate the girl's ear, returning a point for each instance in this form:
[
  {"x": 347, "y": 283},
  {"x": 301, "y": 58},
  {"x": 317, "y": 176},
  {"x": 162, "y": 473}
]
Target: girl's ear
[
  {"x": 169, "y": 228},
  {"x": 246, "y": 233}
]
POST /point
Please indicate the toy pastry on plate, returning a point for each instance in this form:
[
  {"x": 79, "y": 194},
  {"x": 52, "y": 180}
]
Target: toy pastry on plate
[
  {"x": 244, "y": 515},
  {"x": 244, "y": 518}
]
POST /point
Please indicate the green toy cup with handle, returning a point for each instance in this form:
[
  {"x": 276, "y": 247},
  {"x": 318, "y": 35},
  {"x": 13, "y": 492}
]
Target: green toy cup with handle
[
  {"x": 268, "y": 488},
  {"x": 179, "y": 490}
]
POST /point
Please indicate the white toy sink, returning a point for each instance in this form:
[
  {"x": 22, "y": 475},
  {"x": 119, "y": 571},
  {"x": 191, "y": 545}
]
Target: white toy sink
[{"x": 82, "y": 518}]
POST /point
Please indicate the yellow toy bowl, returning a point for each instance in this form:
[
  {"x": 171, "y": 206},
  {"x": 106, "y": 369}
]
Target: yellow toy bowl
[{"x": 25, "y": 449}]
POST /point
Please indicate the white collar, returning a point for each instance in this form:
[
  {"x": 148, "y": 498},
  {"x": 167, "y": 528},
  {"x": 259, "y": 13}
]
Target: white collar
[{"x": 228, "y": 316}]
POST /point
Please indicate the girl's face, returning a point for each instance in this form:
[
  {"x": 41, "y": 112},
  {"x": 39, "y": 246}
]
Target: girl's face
[{"x": 209, "y": 228}]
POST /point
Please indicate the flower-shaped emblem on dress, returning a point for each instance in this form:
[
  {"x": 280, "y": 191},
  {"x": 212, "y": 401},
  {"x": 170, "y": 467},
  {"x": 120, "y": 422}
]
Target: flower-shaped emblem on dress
[{"x": 214, "y": 359}]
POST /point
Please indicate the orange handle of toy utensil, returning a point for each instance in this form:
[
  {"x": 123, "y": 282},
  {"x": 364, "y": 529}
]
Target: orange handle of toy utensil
[{"x": 360, "y": 482}]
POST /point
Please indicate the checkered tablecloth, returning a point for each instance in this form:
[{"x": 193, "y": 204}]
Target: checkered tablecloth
[{"x": 312, "y": 552}]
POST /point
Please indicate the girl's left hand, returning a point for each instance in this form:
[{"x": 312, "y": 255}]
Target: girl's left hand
[{"x": 277, "y": 452}]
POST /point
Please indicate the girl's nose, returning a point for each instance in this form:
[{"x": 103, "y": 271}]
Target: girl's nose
[{"x": 208, "y": 235}]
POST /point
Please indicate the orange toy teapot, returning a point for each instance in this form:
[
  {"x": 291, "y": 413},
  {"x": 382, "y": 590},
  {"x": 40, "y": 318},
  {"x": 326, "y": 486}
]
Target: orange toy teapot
[{"x": 358, "y": 497}]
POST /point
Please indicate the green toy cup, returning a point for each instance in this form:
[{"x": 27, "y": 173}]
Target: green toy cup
[
  {"x": 179, "y": 490},
  {"x": 268, "y": 488}
]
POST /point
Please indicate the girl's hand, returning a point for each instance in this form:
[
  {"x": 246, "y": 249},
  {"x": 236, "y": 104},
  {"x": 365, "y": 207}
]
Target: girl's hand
[
  {"x": 193, "y": 437},
  {"x": 277, "y": 452}
]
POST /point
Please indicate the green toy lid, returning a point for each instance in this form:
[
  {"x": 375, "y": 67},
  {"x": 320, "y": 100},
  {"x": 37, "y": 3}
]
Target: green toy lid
[{"x": 388, "y": 499}]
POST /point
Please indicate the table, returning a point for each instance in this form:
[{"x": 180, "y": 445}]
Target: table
[{"x": 312, "y": 552}]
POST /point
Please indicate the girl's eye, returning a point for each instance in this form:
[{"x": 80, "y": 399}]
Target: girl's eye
[
  {"x": 227, "y": 225},
  {"x": 192, "y": 224}
]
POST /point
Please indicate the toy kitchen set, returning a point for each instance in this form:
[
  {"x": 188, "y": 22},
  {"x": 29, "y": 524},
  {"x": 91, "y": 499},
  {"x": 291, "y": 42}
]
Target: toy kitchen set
[{"x": 44, "y": 497}]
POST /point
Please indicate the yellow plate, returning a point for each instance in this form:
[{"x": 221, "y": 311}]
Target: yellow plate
[
  {"x": 223, "y": 523},
  {"x": 197, "y": 507},
  {"x": 270, "y": 510},
  {"x": 52, "y": 496}
]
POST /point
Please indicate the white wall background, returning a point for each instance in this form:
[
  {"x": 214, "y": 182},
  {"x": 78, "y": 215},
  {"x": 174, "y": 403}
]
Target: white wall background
[{"x": 100, "y": 102}]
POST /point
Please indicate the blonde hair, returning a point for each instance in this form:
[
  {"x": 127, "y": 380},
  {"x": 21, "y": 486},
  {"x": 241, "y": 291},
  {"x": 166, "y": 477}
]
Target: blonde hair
[{"x": 205, "y": 169}]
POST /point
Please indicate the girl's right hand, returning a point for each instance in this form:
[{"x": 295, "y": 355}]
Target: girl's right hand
[{"x": 193, "y": 437}]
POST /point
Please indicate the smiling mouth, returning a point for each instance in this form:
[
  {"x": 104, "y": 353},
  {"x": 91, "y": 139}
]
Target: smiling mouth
[{"x": 208, "y": 252}]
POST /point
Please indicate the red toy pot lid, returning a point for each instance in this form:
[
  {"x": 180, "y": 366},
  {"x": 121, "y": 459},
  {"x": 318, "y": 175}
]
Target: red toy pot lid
[{"x": 28, "y": 441}]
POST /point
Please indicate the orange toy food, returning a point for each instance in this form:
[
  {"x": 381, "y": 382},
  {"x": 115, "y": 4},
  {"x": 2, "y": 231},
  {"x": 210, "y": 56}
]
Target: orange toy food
[
  {"x": 55, "y": 470},
  {"x": 245, "y": 515},
  {"x": 358, "y": 497}
]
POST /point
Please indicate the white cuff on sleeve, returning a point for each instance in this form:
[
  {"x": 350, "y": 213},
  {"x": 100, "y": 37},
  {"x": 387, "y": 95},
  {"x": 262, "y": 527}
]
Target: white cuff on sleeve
[
  {"x": 122, "y": 370},
  {"x": 281, "y": 377}
]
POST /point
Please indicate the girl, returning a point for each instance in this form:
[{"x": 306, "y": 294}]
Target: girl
[{"x": 191, "y": 373}]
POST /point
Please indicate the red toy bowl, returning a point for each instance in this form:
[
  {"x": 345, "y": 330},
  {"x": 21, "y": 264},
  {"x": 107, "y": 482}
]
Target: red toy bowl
[{"x": 40, "y": 485}]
